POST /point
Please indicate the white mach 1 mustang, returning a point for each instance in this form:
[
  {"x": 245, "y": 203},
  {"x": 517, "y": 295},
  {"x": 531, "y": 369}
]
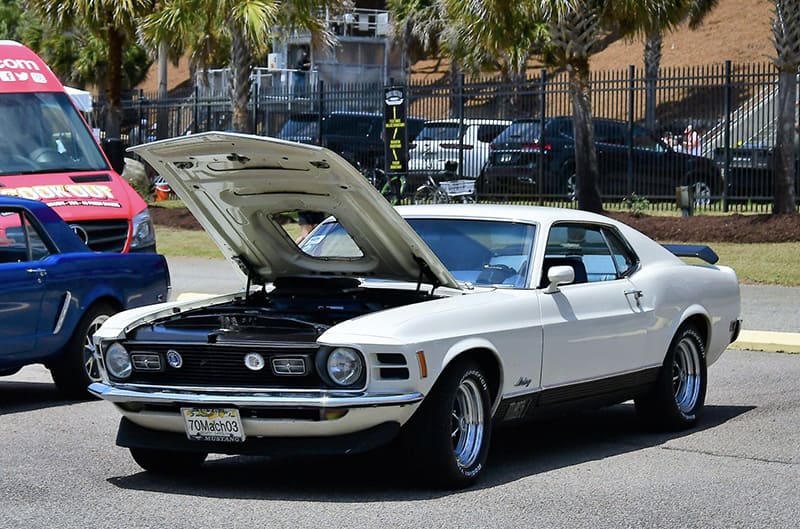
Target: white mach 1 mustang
[{"x": 421, "y": 326}]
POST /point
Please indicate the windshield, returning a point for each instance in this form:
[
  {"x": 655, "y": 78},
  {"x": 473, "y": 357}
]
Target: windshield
[
  {"x": 43, "y": 133},
  {"x": 439, "y": 132},
  {"x": 480, "y": 252},
  {"x": 519, "y": 131}
]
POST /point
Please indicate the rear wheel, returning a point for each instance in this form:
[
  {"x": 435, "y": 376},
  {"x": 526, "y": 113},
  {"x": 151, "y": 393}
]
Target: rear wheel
[
  {"x": 167, "y": 461},
  {"x": 702, "y": 193},
  {"x": 77, "y": 367},
  {"x": 447, "y": 440},
  {"x": 427, "y": 195},
  {"x": 676, "y": 400}
]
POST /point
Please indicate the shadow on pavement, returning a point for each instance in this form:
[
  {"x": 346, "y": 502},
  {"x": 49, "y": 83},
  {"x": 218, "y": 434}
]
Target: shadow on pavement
[
  {"x": 516, "y": 452},
  {"x": 17, "y": 397}
]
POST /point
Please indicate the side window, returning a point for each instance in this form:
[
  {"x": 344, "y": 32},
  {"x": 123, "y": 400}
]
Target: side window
[
  {"x": 584, "y": 248},
  {"x": 20, "y": 241},
  {"x": 608, "y": 133},
  {"x": 487, "y": 133},
  {"x": 624, "y": 258},
  {"x": 644, "y": 139}
]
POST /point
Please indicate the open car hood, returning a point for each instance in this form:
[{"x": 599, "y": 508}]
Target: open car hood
[{"x": 235, "y": 183}]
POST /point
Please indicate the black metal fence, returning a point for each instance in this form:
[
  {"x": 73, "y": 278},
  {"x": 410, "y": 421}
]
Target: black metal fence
[{"x": 641, "y": 134}]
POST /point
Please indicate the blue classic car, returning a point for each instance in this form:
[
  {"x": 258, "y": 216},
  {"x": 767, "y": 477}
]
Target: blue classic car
[{"x": 57, "y": 292}]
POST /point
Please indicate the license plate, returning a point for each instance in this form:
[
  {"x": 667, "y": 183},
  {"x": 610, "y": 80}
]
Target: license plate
[{"x": 213, "y": 424}]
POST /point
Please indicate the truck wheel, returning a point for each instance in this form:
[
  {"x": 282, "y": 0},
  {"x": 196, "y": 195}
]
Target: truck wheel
[
  {"x": 447, "y": 439},
  {"x": 167, "y": 461},
  {"x": 678, "y": 396},
  {"x": 76, "y": 368}
]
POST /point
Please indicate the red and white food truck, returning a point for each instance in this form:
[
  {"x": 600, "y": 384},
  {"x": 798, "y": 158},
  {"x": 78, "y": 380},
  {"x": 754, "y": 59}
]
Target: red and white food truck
[{"x": 48, "y": 153}]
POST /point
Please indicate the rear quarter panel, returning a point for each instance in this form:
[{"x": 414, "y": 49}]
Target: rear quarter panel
[{"x": 679, "y": 291}]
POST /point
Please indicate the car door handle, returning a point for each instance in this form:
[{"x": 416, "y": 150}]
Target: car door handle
[
  {"x": 637, "y": 295},
  {"x": 40, "y": 273}
]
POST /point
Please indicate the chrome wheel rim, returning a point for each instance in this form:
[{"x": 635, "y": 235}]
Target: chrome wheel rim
[
  {"x": 89, "y": 363},
  {"x": 572, "y": 188},
  {"x": 686, "y": 375},
  {"x": 466, "y": 431},
  {"x": 702, "y": 194}
]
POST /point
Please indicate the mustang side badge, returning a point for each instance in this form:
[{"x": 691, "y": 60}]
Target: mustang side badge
[{"x": 523, "y": 381}]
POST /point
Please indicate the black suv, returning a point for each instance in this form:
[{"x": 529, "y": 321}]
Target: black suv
[
  {"x": 356, "y": 136},
  {"x": 515, "y": 155}
]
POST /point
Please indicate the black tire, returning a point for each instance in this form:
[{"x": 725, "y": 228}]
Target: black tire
[
  {"x": 676, "y": 401},
  {"x": 76, "y": 368},
  {"x": 702, "y": 192},
  {"x": 444, "y": 447},
  {"x": 167, "y": 462}
]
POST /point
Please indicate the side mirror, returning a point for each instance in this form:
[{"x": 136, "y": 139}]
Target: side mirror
[
  {"x": 115, "y": 152},
  {"x": 559, "y": 275}
]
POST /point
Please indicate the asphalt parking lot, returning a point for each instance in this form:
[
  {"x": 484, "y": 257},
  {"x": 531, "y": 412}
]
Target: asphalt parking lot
[{"x": 739, "y": 468}]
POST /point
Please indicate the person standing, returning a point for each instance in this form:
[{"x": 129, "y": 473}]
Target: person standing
[
  {"x": 308, "y": 220},
  {"x": 301, "y": 75},
  {"x": 691, "y": 141}
]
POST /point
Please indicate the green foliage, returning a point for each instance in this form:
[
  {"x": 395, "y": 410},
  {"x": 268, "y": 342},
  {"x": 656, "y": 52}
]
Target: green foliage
[
  {"x": 636, "y": 205},
  {"x": 77, "y": 57}
]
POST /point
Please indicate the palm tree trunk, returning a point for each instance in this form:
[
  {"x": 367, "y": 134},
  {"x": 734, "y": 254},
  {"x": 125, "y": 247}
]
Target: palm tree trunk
[
  {"x": 652, "y": 62},
  {"x": 586, "y": 171},
  {"x": 241, "y": 61},
  {"x": 113, "y": 118},
  {"x": 786, "y": 144}
]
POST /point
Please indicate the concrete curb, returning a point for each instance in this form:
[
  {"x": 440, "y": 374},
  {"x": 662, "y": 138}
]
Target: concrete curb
[{"x": 776, "y": 342}]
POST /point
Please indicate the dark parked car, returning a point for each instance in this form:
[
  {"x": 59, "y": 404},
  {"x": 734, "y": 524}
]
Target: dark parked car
[
  {"x": 513, "y": 165},
  {"x": 57, "y": 292},
  {"x": 356, "y": 136},
  {"x": 751, "y": 173}
]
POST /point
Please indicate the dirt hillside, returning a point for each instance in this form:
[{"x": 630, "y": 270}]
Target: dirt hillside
[{"x": 738, "y": 30}]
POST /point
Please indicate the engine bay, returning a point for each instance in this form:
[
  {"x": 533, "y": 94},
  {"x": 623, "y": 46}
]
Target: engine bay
[{"x": 297, "y": 309}]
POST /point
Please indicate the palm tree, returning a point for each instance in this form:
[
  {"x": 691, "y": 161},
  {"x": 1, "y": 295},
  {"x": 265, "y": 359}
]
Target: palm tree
[
  {"x": 786, "y": 33},
  {"x": 658, "y": 22},
  {"x": 246, "y": 26},
  {"x": 564, "y": 34},
  {"x": 112, "y": 21}
]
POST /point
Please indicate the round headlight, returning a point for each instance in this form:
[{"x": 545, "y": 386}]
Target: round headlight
[
  {"x": 345, "y": 366},
  {"x": 118, "y": 361}
]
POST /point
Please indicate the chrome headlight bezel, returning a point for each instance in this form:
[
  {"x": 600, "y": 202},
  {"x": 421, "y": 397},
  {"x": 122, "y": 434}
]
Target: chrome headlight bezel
[
  {"x": 343, "y": 367},
  {"x": 118, "y": 361}
]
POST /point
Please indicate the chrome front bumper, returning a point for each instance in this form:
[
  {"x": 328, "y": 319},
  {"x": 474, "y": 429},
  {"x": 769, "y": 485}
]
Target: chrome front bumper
[{"x": 252, "y": 399}]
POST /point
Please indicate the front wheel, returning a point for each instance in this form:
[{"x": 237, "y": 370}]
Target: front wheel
[
  {"x": 167, "y": 461},
  {"x": 678, "y": 396},
  {"x": 77, "y": 367},
  {"x": 448, "y": 437}
]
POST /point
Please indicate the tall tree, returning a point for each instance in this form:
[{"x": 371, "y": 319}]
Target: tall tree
[
  {"x": 786, "y": 34},
  {"x": 691, "y": 11},
  {"x": 111, "y": 21},
  {"x": 565, "y": 34},
  {"x": 246, "y": 26}
]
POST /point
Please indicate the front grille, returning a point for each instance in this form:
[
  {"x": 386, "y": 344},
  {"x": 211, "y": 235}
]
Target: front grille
[
  {"x": 224, "y": 366},
  {"x": 105, "y": 235}
]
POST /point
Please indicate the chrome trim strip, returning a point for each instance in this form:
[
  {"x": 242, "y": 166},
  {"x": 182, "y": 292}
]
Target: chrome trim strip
[
  {"x": 63, "y": 314},
  {"x": 274, "y": 399}
]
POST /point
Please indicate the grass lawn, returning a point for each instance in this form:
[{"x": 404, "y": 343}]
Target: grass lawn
[{"x": 754, "y": 263}]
